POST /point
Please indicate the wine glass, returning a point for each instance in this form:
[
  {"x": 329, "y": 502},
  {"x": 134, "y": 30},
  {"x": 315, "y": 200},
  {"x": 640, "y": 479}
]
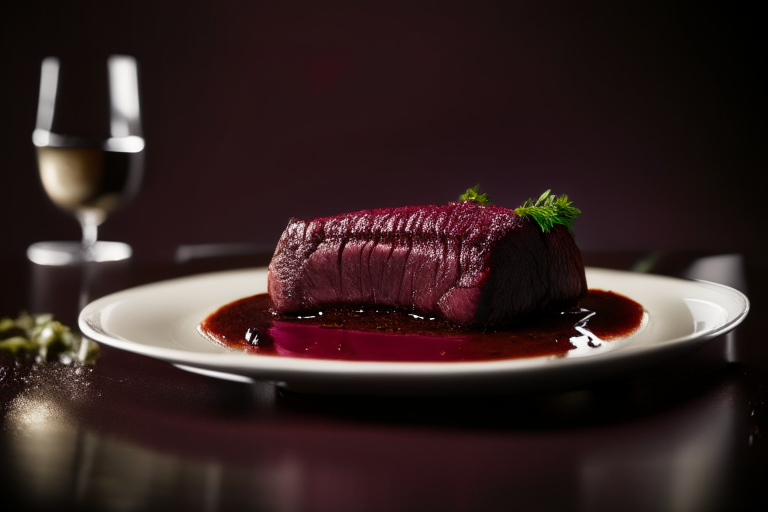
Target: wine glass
[{"x": 86, "y": 177}]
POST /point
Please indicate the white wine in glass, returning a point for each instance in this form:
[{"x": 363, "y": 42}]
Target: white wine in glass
[{"x": 89, "y": 178}]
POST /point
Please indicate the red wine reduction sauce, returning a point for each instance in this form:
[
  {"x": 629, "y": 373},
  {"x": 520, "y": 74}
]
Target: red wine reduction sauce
[{"x": 378, "y": 334}]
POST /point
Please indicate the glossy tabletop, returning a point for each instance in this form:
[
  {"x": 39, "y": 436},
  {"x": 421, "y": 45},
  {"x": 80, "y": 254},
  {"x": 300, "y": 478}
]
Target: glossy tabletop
[{"x": 135, "y": 433}]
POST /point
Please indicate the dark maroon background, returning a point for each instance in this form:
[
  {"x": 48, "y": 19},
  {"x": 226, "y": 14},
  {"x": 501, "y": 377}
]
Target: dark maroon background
[{"x": 651, "y": 117}]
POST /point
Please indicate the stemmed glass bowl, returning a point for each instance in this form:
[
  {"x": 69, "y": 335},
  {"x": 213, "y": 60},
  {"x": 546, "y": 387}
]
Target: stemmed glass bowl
[{"x": 86, "y": 177}]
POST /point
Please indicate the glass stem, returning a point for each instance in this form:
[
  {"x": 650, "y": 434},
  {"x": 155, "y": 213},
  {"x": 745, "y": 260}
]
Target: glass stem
[{"x": 89, "y": 222}]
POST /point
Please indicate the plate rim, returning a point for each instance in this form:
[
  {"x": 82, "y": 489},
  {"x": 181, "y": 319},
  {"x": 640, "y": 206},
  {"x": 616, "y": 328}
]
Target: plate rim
[{"x": 271, "y": 367}]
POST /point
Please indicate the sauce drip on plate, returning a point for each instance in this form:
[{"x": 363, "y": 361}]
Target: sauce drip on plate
[{"x": 378, "y": 334}]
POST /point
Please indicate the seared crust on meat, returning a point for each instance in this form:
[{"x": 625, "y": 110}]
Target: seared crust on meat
[{"x": 473, "y": 265}]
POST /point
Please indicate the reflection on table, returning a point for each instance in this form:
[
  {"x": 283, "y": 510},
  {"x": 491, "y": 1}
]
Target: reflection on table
[{"x": 134, "y": 433}]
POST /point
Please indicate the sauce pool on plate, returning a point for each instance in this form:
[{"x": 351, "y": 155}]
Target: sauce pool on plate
[{"x": 380, "y": 334}]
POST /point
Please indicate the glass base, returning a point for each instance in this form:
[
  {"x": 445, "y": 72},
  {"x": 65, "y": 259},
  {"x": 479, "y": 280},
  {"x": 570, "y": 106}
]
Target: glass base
[{"x": 70, "y": 253}]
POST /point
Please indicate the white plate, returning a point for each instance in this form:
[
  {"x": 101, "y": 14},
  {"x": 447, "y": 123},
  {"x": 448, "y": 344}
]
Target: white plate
[{"x": 160, "y": 320}]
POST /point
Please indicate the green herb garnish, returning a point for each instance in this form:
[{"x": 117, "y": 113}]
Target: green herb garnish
[
  {"x": 549, "y": 210},
  {"x": 45, "y": 339},
  {"x": 472, "y": 194}
]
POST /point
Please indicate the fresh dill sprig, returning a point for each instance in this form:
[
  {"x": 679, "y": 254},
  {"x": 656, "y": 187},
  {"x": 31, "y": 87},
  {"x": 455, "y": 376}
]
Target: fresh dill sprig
[
  {"x": 473, "y": 194},
  {"x": 549, "y": 210}
]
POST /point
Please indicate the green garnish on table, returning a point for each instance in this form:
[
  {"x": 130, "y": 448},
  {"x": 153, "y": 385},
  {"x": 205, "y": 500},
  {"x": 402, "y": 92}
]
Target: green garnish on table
[{"x": 45, "y": 339}]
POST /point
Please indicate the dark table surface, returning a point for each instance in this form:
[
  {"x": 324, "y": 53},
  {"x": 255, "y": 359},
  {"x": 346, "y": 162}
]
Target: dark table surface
[{"x": 135, "y": 433}]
